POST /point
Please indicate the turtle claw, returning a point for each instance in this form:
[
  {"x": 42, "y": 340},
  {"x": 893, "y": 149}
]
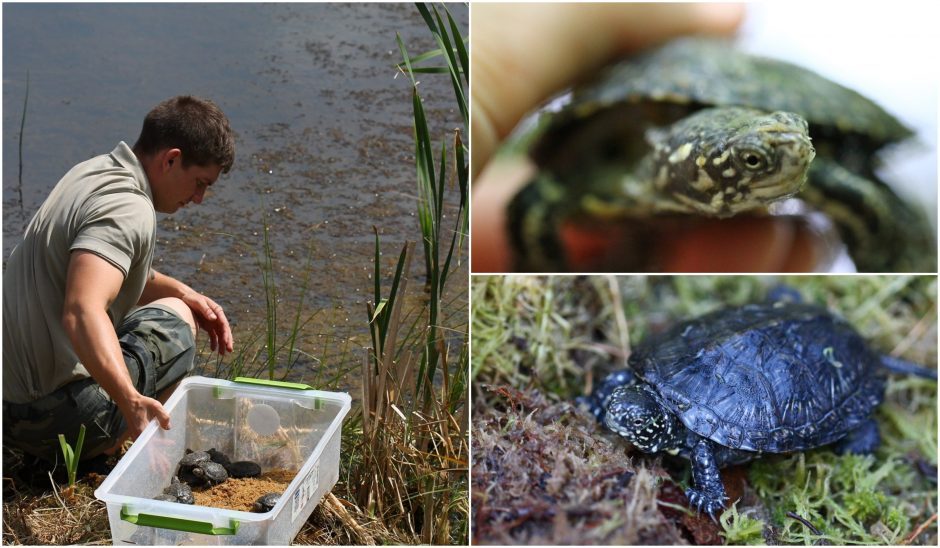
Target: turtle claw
[{"x": 705, "y": 502}]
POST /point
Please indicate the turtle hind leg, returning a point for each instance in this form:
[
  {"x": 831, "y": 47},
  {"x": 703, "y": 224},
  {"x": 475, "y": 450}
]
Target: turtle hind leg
[
  {"x": 533, "y": 216},
  {"x": 708, "y": 493},
  {"x": 863, "y": 440},
  {"x": 904, "y": 367}
]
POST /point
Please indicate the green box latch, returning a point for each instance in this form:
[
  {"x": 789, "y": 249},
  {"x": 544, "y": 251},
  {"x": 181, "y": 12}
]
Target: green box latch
[{"x": 178, "y": 524}]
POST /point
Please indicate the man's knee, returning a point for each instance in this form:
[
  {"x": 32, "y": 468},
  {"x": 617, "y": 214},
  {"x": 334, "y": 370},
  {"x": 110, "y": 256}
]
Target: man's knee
[{"x": 181, "y": 310}]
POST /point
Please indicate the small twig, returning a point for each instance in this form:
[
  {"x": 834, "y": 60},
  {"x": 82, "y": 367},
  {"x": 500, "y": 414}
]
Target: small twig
[
  {"x": 55, "y": 493},
  {"x": 809, "y": 525},
  {"x": 920, "y": 529},
  {"x": 619, "y": 315}
]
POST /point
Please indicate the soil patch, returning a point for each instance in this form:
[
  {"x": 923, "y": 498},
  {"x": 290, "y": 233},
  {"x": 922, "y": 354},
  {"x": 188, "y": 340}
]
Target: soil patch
[{"x": 241, "y": 493}]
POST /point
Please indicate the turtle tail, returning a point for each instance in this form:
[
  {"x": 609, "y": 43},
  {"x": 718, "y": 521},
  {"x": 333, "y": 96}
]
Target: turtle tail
[{"x": 904, "y": 367}]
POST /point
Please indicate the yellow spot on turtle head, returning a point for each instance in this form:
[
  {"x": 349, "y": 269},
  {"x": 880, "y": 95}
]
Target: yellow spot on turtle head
[
  {"x": 700, "y": 161},
  {"x": 680, "y": 154},
  {"x": 721, "y": 159}
]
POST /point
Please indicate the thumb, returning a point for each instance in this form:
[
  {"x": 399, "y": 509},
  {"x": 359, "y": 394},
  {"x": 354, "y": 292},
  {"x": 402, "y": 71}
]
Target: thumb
[{"x": 516, "y": 67}]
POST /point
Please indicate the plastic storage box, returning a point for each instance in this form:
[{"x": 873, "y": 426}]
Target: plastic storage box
[{"x": 279, "y": 425}]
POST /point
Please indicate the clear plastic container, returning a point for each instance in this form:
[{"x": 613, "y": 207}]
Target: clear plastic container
[{"x": 278, "y": 425}]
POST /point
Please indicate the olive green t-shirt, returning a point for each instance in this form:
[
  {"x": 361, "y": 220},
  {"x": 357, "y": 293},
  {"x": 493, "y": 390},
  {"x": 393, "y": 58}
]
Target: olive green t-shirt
[{"x": 104, "y": 206}]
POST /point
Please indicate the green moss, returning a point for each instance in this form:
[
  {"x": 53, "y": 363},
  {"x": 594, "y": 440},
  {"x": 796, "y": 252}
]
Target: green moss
[
  {"x": 852, "y": 499},
  {"x": 741, "y": 528}
]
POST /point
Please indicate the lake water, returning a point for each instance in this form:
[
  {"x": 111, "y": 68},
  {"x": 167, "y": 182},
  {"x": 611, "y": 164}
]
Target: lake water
[{"x": 324, "y": 147}]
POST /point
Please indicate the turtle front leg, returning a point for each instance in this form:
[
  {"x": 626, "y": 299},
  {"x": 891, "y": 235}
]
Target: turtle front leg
[
  {"x": 533, "y": 218},
  {"x": 708, "y": 493}
]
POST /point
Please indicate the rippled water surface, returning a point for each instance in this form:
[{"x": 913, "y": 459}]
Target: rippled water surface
[{"x": 324, "y": 149}]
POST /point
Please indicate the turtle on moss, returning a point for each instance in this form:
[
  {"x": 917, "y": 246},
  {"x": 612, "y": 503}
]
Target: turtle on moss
[{"x": 729, "y": 386}]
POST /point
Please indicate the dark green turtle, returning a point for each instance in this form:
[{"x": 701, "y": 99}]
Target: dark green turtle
[
  {"x": 697, "y": 127},
  {"x": 219, "y": 457},
  {"x": 266, "y": 502},
  {"x": 740, "y": 382},
  {"x": 190, "y": 461},
  {"x": 210, "y": 472},
  {"x": 243, "y": 469},
  {"x": 177, "y": 492}
]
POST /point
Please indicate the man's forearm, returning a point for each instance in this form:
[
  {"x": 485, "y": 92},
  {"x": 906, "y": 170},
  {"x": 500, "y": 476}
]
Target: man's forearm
[
  {"x": 95, "y": 341},
  {"x": 160, "y": 286}
]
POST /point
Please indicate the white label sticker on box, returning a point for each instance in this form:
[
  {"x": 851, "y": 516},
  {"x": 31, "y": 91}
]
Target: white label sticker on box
[{"x": 306, "y": 490}]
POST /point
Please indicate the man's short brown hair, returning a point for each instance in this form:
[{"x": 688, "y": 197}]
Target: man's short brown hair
[{"x": 196, "y": 126}]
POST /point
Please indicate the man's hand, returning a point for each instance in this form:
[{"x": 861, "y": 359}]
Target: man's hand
[
  {"x": 137, "y": 412},
  {"x": 207, "y": 313},
  {"x": 210, "y": 317}
]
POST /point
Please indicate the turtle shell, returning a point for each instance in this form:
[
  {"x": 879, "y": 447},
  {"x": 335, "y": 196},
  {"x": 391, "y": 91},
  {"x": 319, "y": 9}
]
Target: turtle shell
[
  {"x": 764, "y": 377},
  {"x": 697, "y": 72}
]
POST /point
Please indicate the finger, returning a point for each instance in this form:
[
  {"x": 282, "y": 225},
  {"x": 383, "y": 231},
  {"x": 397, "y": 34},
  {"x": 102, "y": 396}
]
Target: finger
[
  {"x": 747, "y": 244},
  {"x": 499, "y": 182},
  {"x": 740, "y": 244},
  {"x": 226, "y": 340},
  {"x": 209, "y": 310},
  {"x": 213, "y": 338},
  {"x": 161, "y": 415},
  {"x": 516, "y": 67}
]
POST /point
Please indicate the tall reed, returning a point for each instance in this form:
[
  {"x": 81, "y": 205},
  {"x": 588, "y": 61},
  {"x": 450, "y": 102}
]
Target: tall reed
[{"x": 412, "y": 467}]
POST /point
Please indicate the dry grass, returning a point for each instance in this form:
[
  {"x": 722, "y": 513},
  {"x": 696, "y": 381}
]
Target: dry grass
[
  {"x": 412, "y": 457},
  {"x": 57, "y": 516}
]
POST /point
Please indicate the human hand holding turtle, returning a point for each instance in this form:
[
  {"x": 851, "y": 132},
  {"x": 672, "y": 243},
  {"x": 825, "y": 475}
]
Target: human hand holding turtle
[{"x": 513, "y": 80}]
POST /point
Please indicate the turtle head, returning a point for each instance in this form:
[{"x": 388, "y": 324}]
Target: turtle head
[
  {"x": 634, "y": 413},
  {"x": 720, "y": 161}
]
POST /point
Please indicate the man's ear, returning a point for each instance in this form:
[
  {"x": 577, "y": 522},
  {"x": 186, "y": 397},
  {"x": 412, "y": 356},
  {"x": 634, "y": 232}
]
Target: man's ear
[{"x": 170, "y": 157}]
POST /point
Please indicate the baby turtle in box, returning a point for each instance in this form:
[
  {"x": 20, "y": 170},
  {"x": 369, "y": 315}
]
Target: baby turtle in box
[
  {"x": 190, "y": 461},
  {"x": 698, "y": 127},
  {"x": 244, "y": 469},
  {"x": 266, "y": 502},
  {"x": 210, "y": 472},
  {"x": 763, "y": 378},
  {"x": 177, "y": 492},
  {"x": 219, "y": 457},
  {"x": 237, "y": 469}
]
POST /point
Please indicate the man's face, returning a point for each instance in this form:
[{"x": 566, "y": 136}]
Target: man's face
[{"x": 181, "y": 185}]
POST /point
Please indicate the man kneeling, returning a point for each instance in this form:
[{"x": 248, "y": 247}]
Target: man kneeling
[{"x": 76, "y": 347}]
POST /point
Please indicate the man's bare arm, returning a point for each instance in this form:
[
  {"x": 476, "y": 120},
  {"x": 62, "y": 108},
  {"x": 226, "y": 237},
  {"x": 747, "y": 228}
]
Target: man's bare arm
[{"x": 92, "y": 284}]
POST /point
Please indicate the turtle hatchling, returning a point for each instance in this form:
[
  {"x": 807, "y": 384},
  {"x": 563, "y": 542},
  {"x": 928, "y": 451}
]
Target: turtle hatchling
[
  {"x": 177, "y": 492},
  {"x": 730, "y": 385},
  {"x": 210, "y": 472},
  {"x": 266, "y": 502},
  {"x": 243, "y": 469},
  {"x": 697, "y": 127}
]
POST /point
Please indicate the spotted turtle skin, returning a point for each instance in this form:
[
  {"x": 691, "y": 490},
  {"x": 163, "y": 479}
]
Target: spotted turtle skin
[
  {"x": 266, "y": 502},
  {"x": 194, "y": 458},
  {"x": 728, "y": 386},
  {"x": 177, "y": 492},
  {"x": 681, "y": 130},
  {"x": 210, "y": 472}
]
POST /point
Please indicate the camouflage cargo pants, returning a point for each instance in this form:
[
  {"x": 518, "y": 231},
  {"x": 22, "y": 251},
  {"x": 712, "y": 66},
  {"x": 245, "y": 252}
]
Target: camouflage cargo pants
[{"x": 158, "y": 350}]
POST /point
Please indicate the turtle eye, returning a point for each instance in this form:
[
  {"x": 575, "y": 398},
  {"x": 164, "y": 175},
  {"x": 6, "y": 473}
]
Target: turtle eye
[
  {"x": 637, "y": 422},
  {"x": 753, "y": 160}
]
